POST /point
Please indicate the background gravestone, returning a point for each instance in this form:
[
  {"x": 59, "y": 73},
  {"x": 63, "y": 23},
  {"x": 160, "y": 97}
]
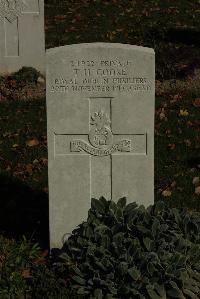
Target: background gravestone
[
  {"x": 21, "y": 35},
  {"x": 100, "y": 119}
]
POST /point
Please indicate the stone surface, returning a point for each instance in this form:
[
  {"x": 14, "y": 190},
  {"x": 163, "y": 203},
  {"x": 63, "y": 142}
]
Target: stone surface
[
  {"x": 100, "y": 112},
  {"x": 21, "y": 35}
]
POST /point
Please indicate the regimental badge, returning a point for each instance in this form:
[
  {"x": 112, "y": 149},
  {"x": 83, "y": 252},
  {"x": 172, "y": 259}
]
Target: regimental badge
[
  {"x": 100, "y": 138},
  {"x": 100, "y": 135}
]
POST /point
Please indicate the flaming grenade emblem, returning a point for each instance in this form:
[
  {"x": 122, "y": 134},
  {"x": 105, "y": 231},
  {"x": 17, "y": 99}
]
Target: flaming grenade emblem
[{"x": 100, "y": 135}]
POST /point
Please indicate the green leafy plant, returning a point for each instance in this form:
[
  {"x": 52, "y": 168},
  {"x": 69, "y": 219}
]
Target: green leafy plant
[{"x": 127, "y": 251}]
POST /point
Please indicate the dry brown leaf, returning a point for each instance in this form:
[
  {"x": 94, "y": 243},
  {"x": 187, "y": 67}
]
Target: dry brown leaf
[
  {"x": 166, "y": 193},
  {"x": 187, "y": 142},
  {"x": 35, "y": 161},
  {"x": 196, "y": 102},
  {"x": 173, "y": 184},
  {"x": 162, "y": 115},
  {"x": 171, "y": 146},
  {"x": 45, "y": 189},
  {"x": 183, "y": 112},
  {"x": 197, "y": 190},
  {"x": 15, "y": 145},
  {"x": 32, "y": 142},
  {"x": 29, "y": 168},
  {"x": 8, "y": 168},
  {"x": 44, "y": 161},
  {"x": 196, "y": 181},
  {"x": 26, "y": 273}
]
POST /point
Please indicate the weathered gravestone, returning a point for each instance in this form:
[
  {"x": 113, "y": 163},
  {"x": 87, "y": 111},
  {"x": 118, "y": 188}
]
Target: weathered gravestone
[
  {"x": 21, "y": 35},
  {"x": 100, "y": 112}
]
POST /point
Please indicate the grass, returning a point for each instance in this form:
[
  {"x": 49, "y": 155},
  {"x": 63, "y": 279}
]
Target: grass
[
  {"x": 16, "y": 259},
  {"x": 23, "y": 170},
  {"x": 21, "y": 122},
  {"x": 177, "y": 159},
  {"x": 172, "y": 29}
]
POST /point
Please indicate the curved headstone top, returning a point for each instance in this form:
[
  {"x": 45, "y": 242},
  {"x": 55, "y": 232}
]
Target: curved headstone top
[
  {"x": 113, "y": 67},
  {"x": 100, "y": 113},
  {"x": 51, "y": 51}
]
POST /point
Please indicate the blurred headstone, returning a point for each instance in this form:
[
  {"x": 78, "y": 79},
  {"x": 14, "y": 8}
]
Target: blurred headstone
[{"x": 22, "y": 35}]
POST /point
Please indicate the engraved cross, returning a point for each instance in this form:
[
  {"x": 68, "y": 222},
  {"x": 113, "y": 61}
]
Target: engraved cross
[{"x": 101, "y": 145}]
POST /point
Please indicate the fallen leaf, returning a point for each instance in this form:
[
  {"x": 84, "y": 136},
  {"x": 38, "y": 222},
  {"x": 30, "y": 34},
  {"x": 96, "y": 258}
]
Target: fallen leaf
[
  {"x": 183, "y": 112},
  {"x": 166, "y": 193},
  {"x": 189, "y": 123},
  {"x": 32, "y": 142},
  {"x": 45, "y": 189},
  {"x": 197, "y": 190},
  {"x": 42, "y": 259},
  {"x": 196, "y": 102},
  {"x": 177, "y": 97},
  {"x": 196, "y": 181},
  {"x": 26, "y": 273},
  {"x": 173, "y": 184},
  {"x": 45, "y": 253},
  {"x": 44, "y": 161},
  {"x": 8, "y": 168},
  {"x": 29, "y": 168},
  {"x": 60, "y": 17},
  {"x": 162, "y": 115},
  {"x": 15, "y": 145},
  {"x": 171, "y": 146},
  {"x": 35, "y": 161},
  {"x": 187, "y": 142}
]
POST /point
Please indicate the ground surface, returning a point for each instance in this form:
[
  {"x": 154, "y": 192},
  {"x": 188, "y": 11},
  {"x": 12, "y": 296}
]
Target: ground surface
[{"x": 172, "y": 28}]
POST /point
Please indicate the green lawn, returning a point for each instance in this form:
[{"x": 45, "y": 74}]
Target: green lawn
[
  {"x": 23, "y": 144},
  {"x": 173, "y": 30},
  {"x": 177, "y": 145}
]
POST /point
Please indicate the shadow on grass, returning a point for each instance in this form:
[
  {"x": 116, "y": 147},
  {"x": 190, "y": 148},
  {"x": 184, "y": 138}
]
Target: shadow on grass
[{"x": 23, "y": 211}]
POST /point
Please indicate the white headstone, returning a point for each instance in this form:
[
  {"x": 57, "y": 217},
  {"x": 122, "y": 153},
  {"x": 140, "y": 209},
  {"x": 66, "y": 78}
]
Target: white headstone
[
  {"x": 100, "y": 112},
  {"x": 21, "y": 35}
]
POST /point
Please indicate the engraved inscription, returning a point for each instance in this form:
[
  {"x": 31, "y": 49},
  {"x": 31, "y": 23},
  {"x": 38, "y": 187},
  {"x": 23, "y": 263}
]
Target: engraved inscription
[
  {"x": 101, "y": 76},
  {"x": 100, "y": 138}
]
